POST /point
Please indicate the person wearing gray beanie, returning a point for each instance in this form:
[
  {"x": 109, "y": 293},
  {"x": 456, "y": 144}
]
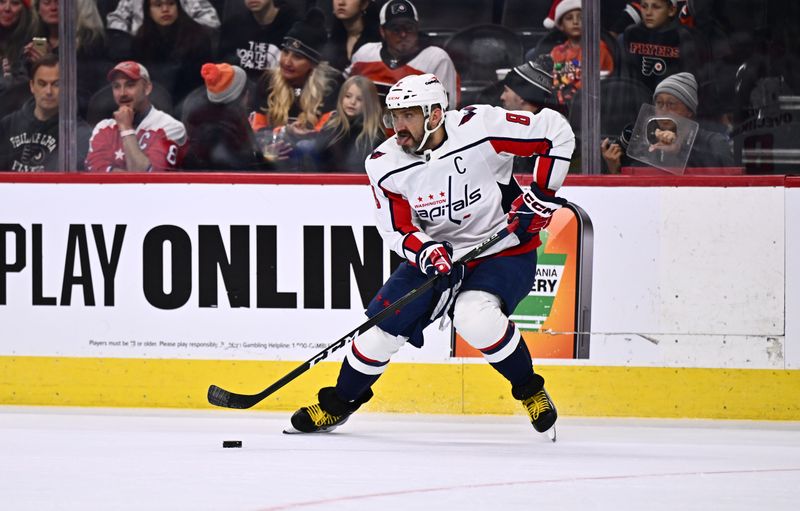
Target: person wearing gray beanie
[
  {"x": 677, "y": 95},
  {"x": 681, "y": 86}
]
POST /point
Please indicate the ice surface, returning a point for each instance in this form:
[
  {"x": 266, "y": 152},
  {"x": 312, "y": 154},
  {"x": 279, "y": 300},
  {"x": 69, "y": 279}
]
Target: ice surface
[{"x": 100, "y": 459}]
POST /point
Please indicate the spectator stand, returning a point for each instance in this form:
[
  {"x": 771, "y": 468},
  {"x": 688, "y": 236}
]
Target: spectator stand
[
  {"x": 478, "y": 52},
  {"x": 525, "y": 18},
  {"x": 439, "y": 20}
]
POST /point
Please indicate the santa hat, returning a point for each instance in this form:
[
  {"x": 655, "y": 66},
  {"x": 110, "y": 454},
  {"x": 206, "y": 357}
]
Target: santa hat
[
  {"x": 550, "y": 20},
  {"x": 563, "y": 7},
  {"x": 557, "y": 9}
]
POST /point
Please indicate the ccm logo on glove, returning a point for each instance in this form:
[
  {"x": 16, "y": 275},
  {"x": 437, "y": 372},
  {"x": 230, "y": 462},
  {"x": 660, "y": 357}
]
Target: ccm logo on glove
[
  {"x": 540, "y": 208},
  {"x": 531, "y": 212}
]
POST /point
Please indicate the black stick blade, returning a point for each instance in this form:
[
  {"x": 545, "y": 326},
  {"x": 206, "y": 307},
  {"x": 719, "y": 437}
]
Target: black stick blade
[{"x": 220, "y": 397}]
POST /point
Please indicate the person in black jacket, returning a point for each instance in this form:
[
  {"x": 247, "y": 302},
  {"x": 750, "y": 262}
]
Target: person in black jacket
[
  {"x": 355, "y": 23},
  {"x": 172, "y": 46},
  {"x": 220, "y": 137},
  {"x": 660, "y": 46},
  {"x": 251, "y": 39},
  {"x": 29, "y": 136}
]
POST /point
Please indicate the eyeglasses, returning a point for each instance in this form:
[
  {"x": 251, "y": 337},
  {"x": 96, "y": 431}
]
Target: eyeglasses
[{"x": 668, "y": 105}]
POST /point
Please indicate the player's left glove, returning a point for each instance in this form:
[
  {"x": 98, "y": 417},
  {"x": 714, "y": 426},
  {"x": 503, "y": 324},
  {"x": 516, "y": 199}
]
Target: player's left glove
[{"x": 531, "y": 212}]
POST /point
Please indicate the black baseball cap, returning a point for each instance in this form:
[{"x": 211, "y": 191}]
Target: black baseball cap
[{"x": 395, "y": 11}]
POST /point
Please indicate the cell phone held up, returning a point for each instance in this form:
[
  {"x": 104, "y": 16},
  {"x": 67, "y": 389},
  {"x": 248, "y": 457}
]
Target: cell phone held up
[{"x": 40, "y": 45}]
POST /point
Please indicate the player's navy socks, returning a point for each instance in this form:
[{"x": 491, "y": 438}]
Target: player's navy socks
[
  {"x": 351, "y": 383},
  {"x": 518, "y": 366}
]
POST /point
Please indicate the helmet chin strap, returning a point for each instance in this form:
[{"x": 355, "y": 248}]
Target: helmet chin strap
[{"x": 428, "y": 131}]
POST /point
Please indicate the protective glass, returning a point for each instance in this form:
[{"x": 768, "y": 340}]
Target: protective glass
[{"x": 662, "y": 140}]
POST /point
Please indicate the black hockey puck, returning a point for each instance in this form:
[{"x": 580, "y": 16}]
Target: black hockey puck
[{"x": 231, "y": 443}]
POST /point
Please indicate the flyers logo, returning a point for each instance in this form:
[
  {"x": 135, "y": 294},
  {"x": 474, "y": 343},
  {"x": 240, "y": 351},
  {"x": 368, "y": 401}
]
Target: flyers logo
[
  {"x": 469, "y": 113},
  {"x": 653, "y": 66},
  {"x": 375, "y": 155}
]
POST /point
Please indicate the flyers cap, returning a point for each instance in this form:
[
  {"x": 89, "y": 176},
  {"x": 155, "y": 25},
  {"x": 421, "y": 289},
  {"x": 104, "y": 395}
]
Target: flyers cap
[
  {"x": 398, "y": 10},
  {"x": 131, "y": 69}
]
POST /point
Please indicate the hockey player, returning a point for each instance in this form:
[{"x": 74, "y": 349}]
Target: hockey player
[{"x": 442, "y": 184}]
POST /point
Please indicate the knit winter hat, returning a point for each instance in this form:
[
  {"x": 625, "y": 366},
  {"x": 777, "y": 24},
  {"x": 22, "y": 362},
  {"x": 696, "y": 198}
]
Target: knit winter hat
[
  {"x": 224, "y": 83},
  {"x": 683, "y": 86},
  {"x": 307, "y": 37},
  {"x": 532, "y": 82},
  {"x": 563, "y": 7}
]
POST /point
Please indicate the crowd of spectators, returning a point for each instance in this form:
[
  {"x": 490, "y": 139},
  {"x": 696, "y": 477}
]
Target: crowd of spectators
[{"x": 298, "y": 86}]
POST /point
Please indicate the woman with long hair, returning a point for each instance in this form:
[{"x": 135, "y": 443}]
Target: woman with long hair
[
  {"x": 91, "y": 57},
  {"x": 353, "y": 130},
  {"x": 172, "y": 46},
  {"x": 355, "y": 22},
  {"x": 299, "y": 90},
  {"x": 16, "y": 30},
  {"x": 45, "y": 25}
]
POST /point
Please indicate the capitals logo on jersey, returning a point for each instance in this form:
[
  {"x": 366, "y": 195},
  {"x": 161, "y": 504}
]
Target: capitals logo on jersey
[{"x": 449, "y": 205}]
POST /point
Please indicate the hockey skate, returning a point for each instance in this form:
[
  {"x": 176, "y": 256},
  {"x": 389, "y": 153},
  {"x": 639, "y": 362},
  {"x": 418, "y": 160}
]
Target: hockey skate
[
  {"x": 539, "y": 406},
  {"x": 325, "y": 416}
]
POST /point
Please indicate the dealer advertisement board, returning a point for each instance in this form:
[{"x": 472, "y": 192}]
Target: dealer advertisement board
[
  {"x": 251, "y": 270},
  {"x": 118, "y": 271}
]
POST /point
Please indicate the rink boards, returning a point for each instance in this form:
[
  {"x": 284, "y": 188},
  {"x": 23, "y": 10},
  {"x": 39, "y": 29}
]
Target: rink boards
[
  {"x": 470, "y": 388},
  {"x": 114, "y": 297}
]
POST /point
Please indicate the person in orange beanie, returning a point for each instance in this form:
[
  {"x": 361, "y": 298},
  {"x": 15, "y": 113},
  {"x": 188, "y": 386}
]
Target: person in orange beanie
[
  {"x": 220, "y": 136},
  {"x": 224, "y": 83}
]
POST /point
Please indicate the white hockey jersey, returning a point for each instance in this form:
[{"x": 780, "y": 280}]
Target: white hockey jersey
[
  {"x": 461, "y": 191},
  {"x": 371, "y": 61}
]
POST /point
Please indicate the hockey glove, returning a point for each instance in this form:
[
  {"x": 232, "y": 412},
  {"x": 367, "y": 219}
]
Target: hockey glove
[
  {"x": 531, "y": 212},
  {"x": 435, "y": 258}
]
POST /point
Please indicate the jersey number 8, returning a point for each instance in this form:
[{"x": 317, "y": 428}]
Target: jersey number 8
[{"x": 519, "y": 119}]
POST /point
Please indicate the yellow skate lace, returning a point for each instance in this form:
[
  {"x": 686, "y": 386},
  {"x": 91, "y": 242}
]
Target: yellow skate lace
[
  {"x": 537, "y": 404},
  {"x": 320, "y": 417}
]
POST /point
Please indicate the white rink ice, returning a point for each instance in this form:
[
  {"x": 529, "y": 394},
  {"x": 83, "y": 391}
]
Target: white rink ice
[{"x": 100, "y": 459}]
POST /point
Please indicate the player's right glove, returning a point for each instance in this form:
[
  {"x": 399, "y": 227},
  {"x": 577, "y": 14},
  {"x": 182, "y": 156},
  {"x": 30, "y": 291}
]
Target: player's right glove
[
  {"x": 531, "y": 212},
  {"x": 436, "y": 258}
]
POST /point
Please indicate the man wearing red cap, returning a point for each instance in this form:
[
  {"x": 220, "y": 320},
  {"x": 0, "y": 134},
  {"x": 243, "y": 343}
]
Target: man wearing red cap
[{"x": 139, "y": 138}]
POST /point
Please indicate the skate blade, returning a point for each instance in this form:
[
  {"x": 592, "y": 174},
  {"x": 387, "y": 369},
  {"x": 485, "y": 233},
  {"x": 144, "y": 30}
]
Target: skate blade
[
  {"x": 292, "y": 431},
  {"x": 551, "y": 434}
]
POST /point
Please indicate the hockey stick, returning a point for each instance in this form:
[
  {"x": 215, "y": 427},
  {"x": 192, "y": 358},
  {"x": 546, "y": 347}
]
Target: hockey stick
[{"x": 220, "y": 397}]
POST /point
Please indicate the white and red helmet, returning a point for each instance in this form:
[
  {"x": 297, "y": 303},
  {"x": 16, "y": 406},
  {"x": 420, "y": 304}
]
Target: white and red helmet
[
  {"x": 424, "y": 91},
  {"x": 417, "y": 90}
]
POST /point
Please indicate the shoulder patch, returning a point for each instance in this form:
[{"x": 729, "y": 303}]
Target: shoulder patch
[
  {"x": 469, "y": 113},
  {"x": 375, "y": 154}
]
